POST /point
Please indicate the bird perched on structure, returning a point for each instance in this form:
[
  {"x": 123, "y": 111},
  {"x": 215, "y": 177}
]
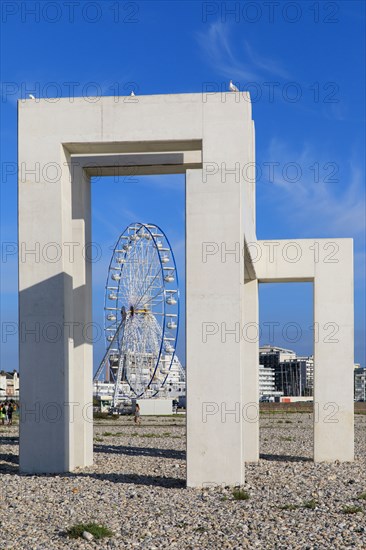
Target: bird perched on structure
[
  {"x": 232, "y": 87},
  {"x": 31, "y": 96},
  {"x": 132, "y": 94}
]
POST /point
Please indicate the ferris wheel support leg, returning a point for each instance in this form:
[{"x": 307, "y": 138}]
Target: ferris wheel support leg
[{"x": 117, "y": 387}]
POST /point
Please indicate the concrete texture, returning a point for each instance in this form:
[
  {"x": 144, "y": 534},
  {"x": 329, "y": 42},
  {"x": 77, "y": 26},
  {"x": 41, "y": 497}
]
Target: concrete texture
[
  {"x": 251, "y": 373},
  {"x": 160, "y": 407},
  {"x": 211, "y": 140}
]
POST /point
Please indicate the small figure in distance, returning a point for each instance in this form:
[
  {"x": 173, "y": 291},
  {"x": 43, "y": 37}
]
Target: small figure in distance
[
  {"x": 137, "y": 418},
  {"x": 10, "y": 414}
]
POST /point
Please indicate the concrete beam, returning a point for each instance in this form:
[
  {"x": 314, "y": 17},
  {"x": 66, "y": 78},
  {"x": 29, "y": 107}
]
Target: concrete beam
[{"x": 138, "y": 163}]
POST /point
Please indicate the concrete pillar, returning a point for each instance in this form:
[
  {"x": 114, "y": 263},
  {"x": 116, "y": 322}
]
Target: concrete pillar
[
  {"x": 334, "y": 354},
  {"x": 216, "y": 208},
  {"x": 81, "y": 376},
  {"x": 45, "y": 309},
  {"x": 54, "y": 311},
  {"x": 213, "y": 308},
  {"x": 251, "y": 373}
]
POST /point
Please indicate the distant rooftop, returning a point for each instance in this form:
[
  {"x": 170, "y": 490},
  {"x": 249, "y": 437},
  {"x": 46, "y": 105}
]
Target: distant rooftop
[{"x": 274, "y": 349}]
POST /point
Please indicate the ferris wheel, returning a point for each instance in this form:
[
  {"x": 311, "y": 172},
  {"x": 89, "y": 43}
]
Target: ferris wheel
[{"x": 141, "y": 313}]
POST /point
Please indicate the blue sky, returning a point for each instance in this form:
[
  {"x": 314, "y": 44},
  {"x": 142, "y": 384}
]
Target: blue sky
[{"x": 304, "y": 66}]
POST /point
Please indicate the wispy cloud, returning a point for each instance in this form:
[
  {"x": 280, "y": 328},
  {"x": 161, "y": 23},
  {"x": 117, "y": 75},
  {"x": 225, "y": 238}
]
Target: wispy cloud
[
  {"x": 110, "y": 220},
  {"x": 267, "y": 64},
  {"x": 235, "y": 59},
  {"x": 322, "y": 206}
]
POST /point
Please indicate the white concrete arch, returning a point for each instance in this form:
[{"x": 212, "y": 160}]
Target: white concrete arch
[{"x": 210, "y": 138}]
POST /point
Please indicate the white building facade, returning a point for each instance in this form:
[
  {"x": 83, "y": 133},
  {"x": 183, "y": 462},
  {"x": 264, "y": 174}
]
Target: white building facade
[
  {"x": 9, "y": 385},
  {"x": 266, "y": 381},
  {"x": 360, "y": 384}
]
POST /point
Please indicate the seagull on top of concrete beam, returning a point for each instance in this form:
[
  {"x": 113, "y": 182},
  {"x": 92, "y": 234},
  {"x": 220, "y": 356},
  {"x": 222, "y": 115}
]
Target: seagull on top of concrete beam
[
  {"x": 31, "y": 96},
  {"x": 132, "y": 94},
  {"x": 232, "y": 87}
]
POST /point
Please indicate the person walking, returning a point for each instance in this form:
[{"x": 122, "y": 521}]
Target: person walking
[
  {"x": 10, "y": 414},
  {"x": 137, "y": 418},
  {"x": 3, "y": 414}
]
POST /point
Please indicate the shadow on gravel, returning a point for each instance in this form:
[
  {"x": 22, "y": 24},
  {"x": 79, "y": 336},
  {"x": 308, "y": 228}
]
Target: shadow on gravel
[
  {"x": 9, "y": 469},
  {"x": 9, "y": 463},
  {"x": 130, "y": 479},
  {"x": 285, "y": 458},
  {"x": 7, "y": 457},
  {"x": 140, "y": 451},
  {"x": 9, "y": 441},
  {"x": 135, "y": 479}
]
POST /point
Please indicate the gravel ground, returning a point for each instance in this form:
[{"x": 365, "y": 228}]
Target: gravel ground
[{"x": 136, "y": 488}]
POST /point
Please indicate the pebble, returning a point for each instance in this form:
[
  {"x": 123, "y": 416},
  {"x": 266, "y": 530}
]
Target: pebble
[{"x": 136, "y": 488}]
